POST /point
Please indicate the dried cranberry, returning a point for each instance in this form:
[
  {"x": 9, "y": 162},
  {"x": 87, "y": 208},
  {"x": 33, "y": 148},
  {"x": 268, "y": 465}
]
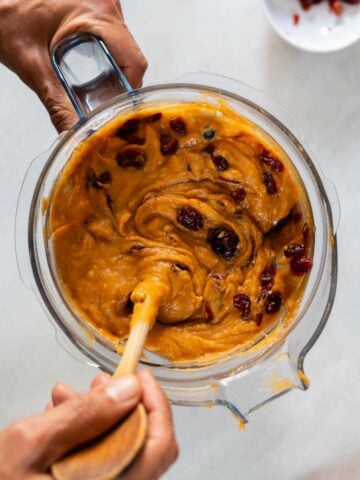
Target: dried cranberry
[
  {"x": 220, "y": 163},
  {"x": 242, "y": 302},
  {"x": 129, "y": 306},
  {"x": 208, "y": 312},
  {"x": 293, "y": 216},
  {"x": 184, "y": 268},
  {"x": 178, "y": 126},
  {"x": 295, "y": 250},
  {"x": 104, "y": 178},
  {"x": 306, "y": 4},
  {"x": 168, "y": 145},
  {"x": 296, "y": 19},
  {"x": 267, "y": 277},
  {"x": 238, "y": 195},
  {"x": 209, "y": 148},
  {"x": 273, "y": 303},
  {"x": 130, "y": 127},
  {"x": 300, "y": 265},
  {"x": 297, "y": 216},
  {"x": 135, "y": 140},
  {"x": 190, "y": 218},
  {"x": 152, "y": 118},
  {"x": 224, "y": 242},
  {"x": 101, "y": 181},
  {"x": 282, "y": 223},
  {"x": 269, "y": 182},
  {"x": 273, "y": 163},
  {"x": 131, "y": 157},
  {"x": 337, "y": 7},
  {"x": 306, "y": 232}
]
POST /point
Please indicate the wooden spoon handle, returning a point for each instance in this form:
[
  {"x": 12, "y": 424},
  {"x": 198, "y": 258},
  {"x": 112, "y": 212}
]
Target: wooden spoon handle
[
  {"x": 107, "y": 456},
  {"x": 133, "y": 350},
  {"x": 147, "y": 297}
]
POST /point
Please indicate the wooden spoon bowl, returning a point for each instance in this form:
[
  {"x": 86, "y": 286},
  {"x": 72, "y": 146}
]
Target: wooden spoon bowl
[{"x": 107, "y": 456}]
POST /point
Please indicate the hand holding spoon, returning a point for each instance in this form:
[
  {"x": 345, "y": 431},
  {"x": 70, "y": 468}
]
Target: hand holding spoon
[{"x": 107, "y": 456}]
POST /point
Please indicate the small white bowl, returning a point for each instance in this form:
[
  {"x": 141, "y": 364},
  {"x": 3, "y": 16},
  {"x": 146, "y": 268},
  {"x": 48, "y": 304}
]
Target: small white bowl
[{"x": 318, "y": 29}]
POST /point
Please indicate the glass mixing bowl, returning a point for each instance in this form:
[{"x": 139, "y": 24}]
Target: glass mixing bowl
[{"x": 242, "y": 380}]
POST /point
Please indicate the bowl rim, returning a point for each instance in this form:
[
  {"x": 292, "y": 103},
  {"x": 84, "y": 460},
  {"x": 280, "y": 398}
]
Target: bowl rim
[{"x": 36, "y": 198}]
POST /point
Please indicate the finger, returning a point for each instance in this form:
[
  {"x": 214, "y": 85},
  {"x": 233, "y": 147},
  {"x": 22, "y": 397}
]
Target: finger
[
  {"x": 160, "y": 449},
  {"x": 41, "y": 476},
  {"x": 100, "y": 380},
  {"x": 117, "y": 37},
  {"x": 61, "y": 111},
  {"x": 40, "y": 77},
  {"x": 126, "y": 52},
  {"x": 55, "y": 100},
  {"x": 85, "y": 416},
  {"x": 112, "y": 29},
  {"x": 155, "y": 401},
  {"x": 61, "y": 392}
]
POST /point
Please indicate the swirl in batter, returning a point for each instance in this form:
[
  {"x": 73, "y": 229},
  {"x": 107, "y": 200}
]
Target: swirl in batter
[{"x": 199, "y": 202}]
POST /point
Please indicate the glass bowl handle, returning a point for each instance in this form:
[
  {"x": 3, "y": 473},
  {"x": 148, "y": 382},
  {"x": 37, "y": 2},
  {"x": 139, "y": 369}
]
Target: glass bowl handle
[{"x": 88, "y": 72}]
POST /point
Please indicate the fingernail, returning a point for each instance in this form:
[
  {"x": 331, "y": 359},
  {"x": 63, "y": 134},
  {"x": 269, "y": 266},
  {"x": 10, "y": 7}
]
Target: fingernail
[{"x": 123, "y": 389}]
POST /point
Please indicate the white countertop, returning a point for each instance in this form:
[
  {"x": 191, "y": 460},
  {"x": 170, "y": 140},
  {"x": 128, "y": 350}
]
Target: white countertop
[{"x": 303, "y": 436}]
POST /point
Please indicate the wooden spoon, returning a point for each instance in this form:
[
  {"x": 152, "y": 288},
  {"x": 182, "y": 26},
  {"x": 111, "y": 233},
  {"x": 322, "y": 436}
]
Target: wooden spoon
[{"x": 107, "y": 456}]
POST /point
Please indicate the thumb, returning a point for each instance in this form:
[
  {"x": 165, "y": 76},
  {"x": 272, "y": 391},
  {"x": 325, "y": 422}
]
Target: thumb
[{"x": 86, "y": 416}]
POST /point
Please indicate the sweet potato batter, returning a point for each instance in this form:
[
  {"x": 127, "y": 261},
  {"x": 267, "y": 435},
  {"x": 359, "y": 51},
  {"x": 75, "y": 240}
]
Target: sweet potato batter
[{"x": 198, "y": 201}]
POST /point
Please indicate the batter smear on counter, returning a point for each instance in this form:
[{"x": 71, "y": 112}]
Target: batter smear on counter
[{"x": 193, "y": 197}]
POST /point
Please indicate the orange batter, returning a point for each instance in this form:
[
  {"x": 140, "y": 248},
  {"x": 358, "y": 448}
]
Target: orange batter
[{"x": 196, "y": 201}]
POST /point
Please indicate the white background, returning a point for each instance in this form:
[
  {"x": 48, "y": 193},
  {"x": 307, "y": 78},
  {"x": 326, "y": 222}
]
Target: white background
[{"x": 303, "y": 436}]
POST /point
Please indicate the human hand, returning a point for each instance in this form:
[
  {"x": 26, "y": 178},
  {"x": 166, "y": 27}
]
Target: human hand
[
  {"x": 29, "y": 446},
  {"x": 29, "y": 29}
]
